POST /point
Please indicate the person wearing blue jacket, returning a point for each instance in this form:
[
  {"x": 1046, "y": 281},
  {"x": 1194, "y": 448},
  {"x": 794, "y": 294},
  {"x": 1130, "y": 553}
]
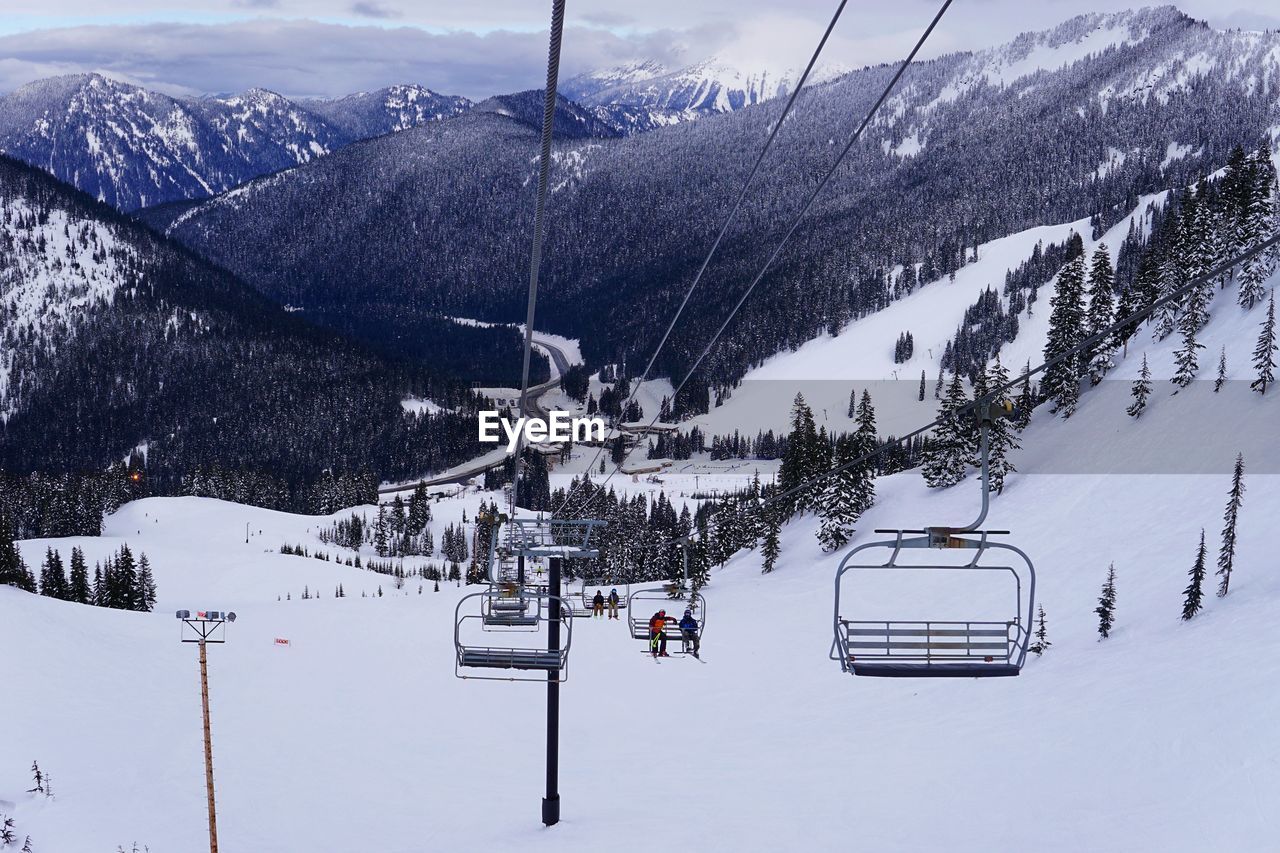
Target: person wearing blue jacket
[{"x": 689, "y": 631}]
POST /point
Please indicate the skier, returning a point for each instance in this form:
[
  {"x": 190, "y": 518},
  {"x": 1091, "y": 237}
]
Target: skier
[
  {"x": 657, "y": 636},
  {"x": 613, "y": 604},
  {"x": 597, "y": 605},
  {"x": 689, "y": 631}
]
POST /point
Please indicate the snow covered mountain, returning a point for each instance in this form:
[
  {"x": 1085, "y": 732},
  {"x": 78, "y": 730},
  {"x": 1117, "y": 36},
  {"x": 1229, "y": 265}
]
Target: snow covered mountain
[
  {"x": 1077, "y": 122},
  {"x": 112, "y": 338},
  {"x": 132, "y": 148},
  {"x": 713, "y": 85},
  {"x": 395, "y": 108}
]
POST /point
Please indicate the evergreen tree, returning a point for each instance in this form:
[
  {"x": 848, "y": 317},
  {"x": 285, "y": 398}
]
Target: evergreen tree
[
  {"x": 1061, "y": 382},
  {"x": 1227, "y": 553},
  {"x": 1141, "y": 390},
  {"x": 838, "y": 498},
  {"x": 853, "y": 403},
  {"x": 1106, "y": 608},
  {"x": 947, "y": 458},
  {"x": 921, "y": 394},
  {"x": 1255, "y": 224},
  {"x": 1101, "y": 313},
  {"x": 802, "y": 458},
  {"x": 1001, "y": 436},
  {"x": 1026, "y": 401},
  {"x": 1195, "y": 586},
  {"x": 380, "y": 532},
  {"x": 1221, "y": 378},
  {"x": 866, "y": 440},
  {"x": 13, "y": 570},
  {"x": 38, "y": 776},
  {"x": 1264, "y": 354},
  {"x": 1186, "y": 356},
  {"x": 1042, "y": 641},
  {"x": 127, "y": 594},
  {"x": 53, "y": 581},
  {"x": 78, "y": 589},
  {"x": 146, "y": 596},
  {"x": 772, "y": 546}
]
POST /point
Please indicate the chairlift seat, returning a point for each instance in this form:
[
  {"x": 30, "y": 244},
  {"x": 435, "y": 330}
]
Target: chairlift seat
[
  {"x": 938, "y": 649},
  {"x": 526, "y": 659},
  {"x": 511, "y": 621},
  {"x": 670, "y": 630},
  {"x": 883, "y": 669}
]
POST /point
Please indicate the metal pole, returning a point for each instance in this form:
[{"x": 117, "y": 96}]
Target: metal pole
[
  {"x": 208, "y": 749},
  {"x": 984, "y": 429},
  {"x": 551, "y": 802}
]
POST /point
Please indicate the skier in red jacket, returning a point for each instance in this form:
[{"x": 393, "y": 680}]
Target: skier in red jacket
[{"x": 658, "y": 636}]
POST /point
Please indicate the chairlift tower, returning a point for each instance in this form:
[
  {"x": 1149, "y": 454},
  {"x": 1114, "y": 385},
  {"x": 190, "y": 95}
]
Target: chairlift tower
[{"x": 511, "y": 607}]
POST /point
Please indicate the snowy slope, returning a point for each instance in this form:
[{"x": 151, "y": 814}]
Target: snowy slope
[
  {"x": 1158, "y": 738},
  {"x": 81, "y": 265}
]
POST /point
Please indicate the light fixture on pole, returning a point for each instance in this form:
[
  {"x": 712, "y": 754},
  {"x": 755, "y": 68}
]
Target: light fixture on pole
[{"x": 206, "y": 626}]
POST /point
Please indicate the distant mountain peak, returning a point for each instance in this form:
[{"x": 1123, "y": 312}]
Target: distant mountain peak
[
  {"x": 132, "y": 147},
  {"x": 715, "y": 84}
]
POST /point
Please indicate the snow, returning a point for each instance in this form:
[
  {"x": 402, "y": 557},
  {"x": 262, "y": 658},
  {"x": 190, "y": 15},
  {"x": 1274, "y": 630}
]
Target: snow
[
  {"x": 1175, "y": 151},
  {"x": 1119, "y": 745},
  {"x": 81, "y": 267},
  {"x": 416, "y": 406},
  {"x": 910, "y": 145},
  {"x": 1035, "y": 52},
  {"x": 826, "y": 368},
  {"x": 1115, "y": 159}
]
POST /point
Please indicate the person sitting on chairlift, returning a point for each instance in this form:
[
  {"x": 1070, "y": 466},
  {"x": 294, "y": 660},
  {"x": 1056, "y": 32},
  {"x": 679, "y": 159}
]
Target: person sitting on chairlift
[
  {"x": 613, "y": 604},
  {"x": 597, "y": 605},
  {"x": 689, "y": 631},
  {"x": 657, "y": 636}
]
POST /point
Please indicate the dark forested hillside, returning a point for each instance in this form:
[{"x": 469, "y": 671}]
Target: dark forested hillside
[
  {"x": 1053, "y": 127},
  {"x": 115, "y": 343}
]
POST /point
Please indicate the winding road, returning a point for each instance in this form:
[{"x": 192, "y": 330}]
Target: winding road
[{"x": 532, "y": 408}]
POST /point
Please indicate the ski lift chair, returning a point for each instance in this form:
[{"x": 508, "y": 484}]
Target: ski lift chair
[
  {"x": 528, "y": 660},
  {"x": 590, "y": 586},
  {"x": 643, "y": 603},
  {"x": 953, "y": 647},
  {"x": 506, "y": 606}
]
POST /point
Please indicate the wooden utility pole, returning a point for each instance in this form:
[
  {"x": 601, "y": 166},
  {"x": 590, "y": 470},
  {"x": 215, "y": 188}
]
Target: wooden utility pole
[{"x": 208, "y": 749}]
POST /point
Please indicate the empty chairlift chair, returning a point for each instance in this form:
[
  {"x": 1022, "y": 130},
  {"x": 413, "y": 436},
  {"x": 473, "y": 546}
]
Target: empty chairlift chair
[
  {"x": 951, "y": 645},
  {"x": 522, "y": 620},
  {"x": 487, "y": 653},
  {"x": 508, "y": 607}
]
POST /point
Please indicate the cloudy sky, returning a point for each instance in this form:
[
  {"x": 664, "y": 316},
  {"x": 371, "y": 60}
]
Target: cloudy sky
[{"x": 481, "y": 47}]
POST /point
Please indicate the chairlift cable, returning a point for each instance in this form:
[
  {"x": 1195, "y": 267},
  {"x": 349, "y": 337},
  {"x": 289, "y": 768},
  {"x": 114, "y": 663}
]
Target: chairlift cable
[
  {"x": 729, "y": 220},
  {"x": 539, "y": 218},
  {"x": 794, "y": 226},
  {"x": 990, "y": 396}
]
